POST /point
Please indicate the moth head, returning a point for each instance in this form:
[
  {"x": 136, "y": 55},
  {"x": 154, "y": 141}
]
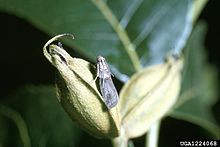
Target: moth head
[{"x": 100, "y": 59}]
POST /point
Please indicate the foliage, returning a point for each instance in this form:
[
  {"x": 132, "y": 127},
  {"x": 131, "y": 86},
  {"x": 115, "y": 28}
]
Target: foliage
[{"x": 131, "y": 34}]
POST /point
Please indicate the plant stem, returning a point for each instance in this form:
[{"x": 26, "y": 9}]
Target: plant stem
[
  {"x": 121, "y": 141},
  {"x": 122, "y": 34},
  {"x": 19, "y": 122},
  {"x": 197, "y": 8},
  {"x": 153, "y": 135}
]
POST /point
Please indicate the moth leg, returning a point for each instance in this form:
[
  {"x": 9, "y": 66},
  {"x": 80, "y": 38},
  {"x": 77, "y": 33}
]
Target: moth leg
[{"x": 97, "y": 73}]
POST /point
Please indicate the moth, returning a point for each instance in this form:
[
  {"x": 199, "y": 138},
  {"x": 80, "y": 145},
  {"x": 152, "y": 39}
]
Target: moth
[{"x": 107, "y": 88}]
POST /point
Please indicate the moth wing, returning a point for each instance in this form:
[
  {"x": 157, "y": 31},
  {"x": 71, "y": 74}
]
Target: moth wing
[{"x": 109, "y": 92}]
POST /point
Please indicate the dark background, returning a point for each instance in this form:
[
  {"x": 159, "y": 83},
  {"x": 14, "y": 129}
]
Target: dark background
[{"x": 22, "y": 65}]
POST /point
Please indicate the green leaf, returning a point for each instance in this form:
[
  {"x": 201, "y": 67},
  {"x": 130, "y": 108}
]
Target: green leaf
[
  {"x": 46, "y": 121},
  {"x": 148, "y": 30},
  {"x": 199, "y": 86}
]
